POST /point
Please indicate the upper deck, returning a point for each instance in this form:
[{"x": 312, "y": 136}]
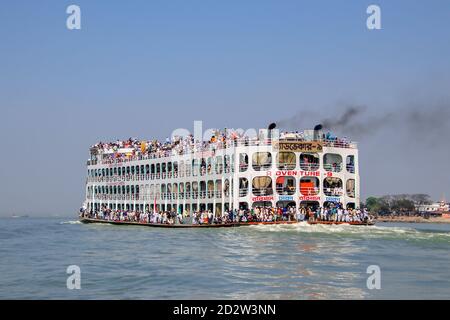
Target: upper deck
[{"x": 135, "y": 150}]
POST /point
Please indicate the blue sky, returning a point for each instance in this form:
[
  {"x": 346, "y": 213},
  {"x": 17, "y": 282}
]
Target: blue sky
[{"x": 144, "y": 68}]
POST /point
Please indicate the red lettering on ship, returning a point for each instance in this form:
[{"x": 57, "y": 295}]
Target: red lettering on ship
[
  {"x": 262, "y": 198},
  {"x": 310, "y": 173},
  {"x": 286, "y": 173},
  {"x": 309, "y": 198}
]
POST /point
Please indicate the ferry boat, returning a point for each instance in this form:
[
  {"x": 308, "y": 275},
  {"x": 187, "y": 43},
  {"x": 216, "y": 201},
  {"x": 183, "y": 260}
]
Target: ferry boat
[{"x": 227, "y": 171}]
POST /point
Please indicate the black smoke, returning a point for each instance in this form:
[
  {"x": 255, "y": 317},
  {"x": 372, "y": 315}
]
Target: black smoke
[{"x": 429, "y": 122}]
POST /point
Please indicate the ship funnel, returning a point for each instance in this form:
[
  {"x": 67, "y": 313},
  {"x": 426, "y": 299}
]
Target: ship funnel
[
  {"x": 269, "y": 130},
  {"x": 318, "y": 132}
]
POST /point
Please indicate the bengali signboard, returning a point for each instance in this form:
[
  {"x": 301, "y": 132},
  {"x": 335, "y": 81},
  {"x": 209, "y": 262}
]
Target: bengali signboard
[
  {"x": 298, "y": 146},
  {"x": 309, "y": 198},
  {"x": 285, "y": 198},
  {"x": 333, "y": 199},
  {"x": 262, "y": 198}
]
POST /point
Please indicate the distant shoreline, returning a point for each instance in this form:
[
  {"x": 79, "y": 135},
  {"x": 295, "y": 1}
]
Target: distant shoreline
[{"x": 406, "y": 219}]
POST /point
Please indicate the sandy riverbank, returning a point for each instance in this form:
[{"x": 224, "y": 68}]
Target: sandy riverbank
[{"x": 413, "y": 219}]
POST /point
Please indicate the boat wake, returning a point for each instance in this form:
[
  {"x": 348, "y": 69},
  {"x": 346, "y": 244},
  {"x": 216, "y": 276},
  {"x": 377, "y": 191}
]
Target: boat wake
[
  {"x": 70, "y": 222},
  {"x": 367, "y": 232}
]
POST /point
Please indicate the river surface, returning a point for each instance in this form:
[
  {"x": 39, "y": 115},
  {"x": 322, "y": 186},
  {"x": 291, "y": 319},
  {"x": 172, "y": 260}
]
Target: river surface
[{"x": 258, "y": 262}]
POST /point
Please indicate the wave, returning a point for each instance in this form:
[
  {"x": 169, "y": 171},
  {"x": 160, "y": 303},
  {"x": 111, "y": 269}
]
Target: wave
[
  {"x": 357, "y": 231},
  {"x": 70, "y": 222}
]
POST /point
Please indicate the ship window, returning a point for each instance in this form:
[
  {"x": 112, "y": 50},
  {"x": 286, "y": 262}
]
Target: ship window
[
  {"x": 202, "y": 167},
  {"x": 309, "y": 186},
  {"x": 261, "y": 160},
  {"x": 330, "y": 204},
  {"x": 152, "y": 191},
  {"x": 243, "y": 187},
  {"x": 350, "y": 164},
  {"x": 175, "y": 189},
  {"x": 332, "y": 162},
  {"x": 210, "y": 189},
  {"x": 202, "y": 189},
  {"x": 350, "y": 187},
  {"x": 226, "y": 188},
  {"x": 188, "y": 190},
  {"x": 262, "y": 204},
  {"x": 285, "y": 185},
  {"x": 286, "y": 160},
  {"x": 309, "y": 161},
  {"x": 188, "y": 169},
  {"x": 209, "y": 165},
  {"x": 262, "y": 186},
  {"x": 195, "y": 167},
  {"x": 286, "y": 204},
  {"x": 219, "y": 188},
  {"x": 163, "y": 191},
  {"x": 313, "y": 205},
  {"x": 182, "y": 168},
  {"x": 332, "y": 186},
  {"x": 181, "y": 189},
  {"x": 227, "y": 163},
  {"x": 243, "y": 162},
  {"x": 195, "y": 190},
  {"x": 243, "y": 205},
  {"x": 219, "y": 165}
]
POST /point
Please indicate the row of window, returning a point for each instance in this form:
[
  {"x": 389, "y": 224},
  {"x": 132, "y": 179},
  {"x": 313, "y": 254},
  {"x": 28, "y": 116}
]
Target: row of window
[
  {"x": 218, "y": 206},
  {"x": 261, "y": 186},
  {"x": 260, "y": 161}
]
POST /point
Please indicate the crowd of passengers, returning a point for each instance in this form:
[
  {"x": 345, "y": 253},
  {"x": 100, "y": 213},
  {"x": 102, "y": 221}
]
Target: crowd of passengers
[
  {"x": 181, "y": 145},
  {"x": 258, "y": 214}
]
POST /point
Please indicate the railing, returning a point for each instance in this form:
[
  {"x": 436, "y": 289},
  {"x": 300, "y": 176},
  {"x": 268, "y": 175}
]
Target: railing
[
  {"x": 336, "y": 143},
  {"x": 243, "y": 192},
  {"x": 309, "y": 166},
  {"x": 262, "y": 192},
  {"x": 309, "y": 191},
  {"x": 333, "y": 192},
  {"x": 350, "y": 168},
  {"x": 333, "y": 167},
  {"x": 286, "y": 166},
  {"x": 285, "y": 191}
]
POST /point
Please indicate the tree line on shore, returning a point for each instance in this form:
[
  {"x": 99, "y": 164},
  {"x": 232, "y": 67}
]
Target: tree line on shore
[{"x": 401, "y": 204}]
